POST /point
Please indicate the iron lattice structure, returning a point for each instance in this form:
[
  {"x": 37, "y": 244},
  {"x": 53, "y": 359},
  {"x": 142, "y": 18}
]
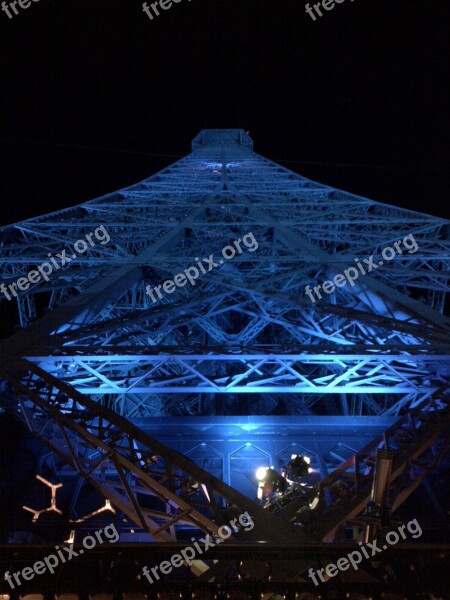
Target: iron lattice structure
[{"x": 95, "y": 353}]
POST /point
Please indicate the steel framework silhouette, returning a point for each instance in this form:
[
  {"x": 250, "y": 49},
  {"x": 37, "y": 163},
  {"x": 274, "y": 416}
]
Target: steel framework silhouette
[{"x": 95, "y": 355}]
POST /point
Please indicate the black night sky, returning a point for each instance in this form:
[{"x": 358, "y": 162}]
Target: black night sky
[{"x": 96, "y": 96}]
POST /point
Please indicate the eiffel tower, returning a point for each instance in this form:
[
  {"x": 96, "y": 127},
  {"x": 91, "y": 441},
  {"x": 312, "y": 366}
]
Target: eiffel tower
[{"x": 220, "y": 316}]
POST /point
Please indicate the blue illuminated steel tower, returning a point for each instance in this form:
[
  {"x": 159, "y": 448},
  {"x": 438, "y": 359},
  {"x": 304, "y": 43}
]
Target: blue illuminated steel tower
[{"x": 186, "y": 396}]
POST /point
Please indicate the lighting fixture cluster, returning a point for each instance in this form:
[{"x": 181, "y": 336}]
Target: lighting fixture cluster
[{"x": 271, "y": 482}]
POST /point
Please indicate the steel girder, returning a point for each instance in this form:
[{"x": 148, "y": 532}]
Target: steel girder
[
  {"x": 161, "y": 490},
  {"x": 170, "y": 372},
  {"x": 155, "y": 486},
  {"x": 384, "y": 338},
  {"x": 419, "y": 441}
]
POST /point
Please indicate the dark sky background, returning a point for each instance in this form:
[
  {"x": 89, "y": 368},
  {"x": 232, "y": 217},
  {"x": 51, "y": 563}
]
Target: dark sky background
[{"x": 96, "y": 96}]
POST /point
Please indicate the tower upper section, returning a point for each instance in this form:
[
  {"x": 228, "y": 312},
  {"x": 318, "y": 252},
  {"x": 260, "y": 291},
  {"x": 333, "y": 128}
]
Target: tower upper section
[{"x": 222, "y": 137}]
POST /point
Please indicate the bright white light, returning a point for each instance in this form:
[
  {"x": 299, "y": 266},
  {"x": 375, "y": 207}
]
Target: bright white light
[
  {"x": 71, "y": 537},
  {"x": 261, "y": 473},
  {"x": 314, "y": 503},
  {"x": 205, "y": 491},
  {"x": 307, "y": 459}
]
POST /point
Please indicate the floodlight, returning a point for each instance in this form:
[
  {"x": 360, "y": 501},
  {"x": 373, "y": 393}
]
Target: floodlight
[
  {"x": 298, "y": 467},
  {"x": 261, "y": 473}
]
